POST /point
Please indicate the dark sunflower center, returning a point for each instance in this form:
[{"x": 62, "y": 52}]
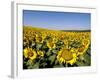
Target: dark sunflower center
[
  {"x": 67, "y": 55},
  {"x": 30, "y": 54},
  {"x": 39, "y": 39}
]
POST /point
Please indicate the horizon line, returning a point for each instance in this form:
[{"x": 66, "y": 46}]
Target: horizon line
[{"x": 56, "y": 29}]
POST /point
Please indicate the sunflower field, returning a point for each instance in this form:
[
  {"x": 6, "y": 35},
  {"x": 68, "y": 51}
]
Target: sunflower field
[{"x": 43, "y": 48}]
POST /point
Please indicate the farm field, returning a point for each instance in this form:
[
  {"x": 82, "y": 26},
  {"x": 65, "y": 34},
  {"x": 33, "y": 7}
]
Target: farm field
[{"x": 44, "y": 48}]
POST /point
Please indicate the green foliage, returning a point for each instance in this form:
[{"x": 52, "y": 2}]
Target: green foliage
[
  {"x": 52, "y": 59},
  {"x": 38, "y": 46},
  {"x": 84, "y": 60},
  {"x": 75, "y": 44}
]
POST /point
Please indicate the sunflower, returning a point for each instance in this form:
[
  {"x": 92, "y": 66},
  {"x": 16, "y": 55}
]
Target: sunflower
[
  {"x": 30, "y": 53},
  {"x": 43, "y": 35},
  {"x": 65, "y": 56},
  {"x": 84, "y": 47},
  {"x": 51, "y": 44},
  {"x": 39, "y": 38},
  {"x": 86, "y": 42},
  {"x": 40, "y": 53},
  {"x": 65, "y": 42},
  {"x": 82, "y": 50}
]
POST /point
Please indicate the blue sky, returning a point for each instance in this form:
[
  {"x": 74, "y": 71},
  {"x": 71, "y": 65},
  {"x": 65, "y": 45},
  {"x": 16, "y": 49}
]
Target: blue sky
[{"x": 57, "y": 20}]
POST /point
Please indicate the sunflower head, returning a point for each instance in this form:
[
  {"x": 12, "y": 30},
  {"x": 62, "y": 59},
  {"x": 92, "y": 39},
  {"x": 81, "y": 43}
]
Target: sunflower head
[
  {"x": 43, "y": 36},
  {"x": 86, "y": 42},
  {"x": 65, "y": 42},
  {"x": 30, "y": 53},
  {"x": 38, "y": 39},
  {"x": 82, "y": 49},
  {"x": 51, "y": 44},
  {"x": 65, "y": 56}
]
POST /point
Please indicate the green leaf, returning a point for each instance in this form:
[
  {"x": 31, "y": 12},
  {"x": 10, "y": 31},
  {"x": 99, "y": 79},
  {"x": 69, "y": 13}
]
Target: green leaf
[
  {"x": 59, "y": 43},
  {"x": 81, "y": 57},
  {"x": 52, "y": 58},
  {"x": 58, "y": 66},
  {"x": 43, "y": 64},
  {"x": 56, "y": 62},
  {"x": 29, "y": 62},
  {"x": 49, "y": 53},
  {"x": 87, "y": 59},
  {"x": 54, "y": 51},
  {"x": 36, "y": 65},
  {"x": 84, "y": 60},
  {"x": 38, "y": 46},
  {"x": 80, "y": 63},
  {"x": 33, "y": 44},
  {"x": 44, "y": 47},
  {"x": 29, "y": 67}
]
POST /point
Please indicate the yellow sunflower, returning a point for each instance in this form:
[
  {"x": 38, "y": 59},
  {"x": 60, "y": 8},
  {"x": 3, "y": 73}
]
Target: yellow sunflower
[
  {"x": 43, "y": 36},
  {"x": 65, "y": 56},
  {"x": 65, "y": 42},
  {"x": 40, "y": 53},
  {"x": 30, "y": 53},
  {"x": 39, "y": 38},
  {"x": 84, "y": 47},
  {"x": 86, "y": 42},
  {"x": 51, "y": 44},
  {"x": 82, "y": 50}
]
